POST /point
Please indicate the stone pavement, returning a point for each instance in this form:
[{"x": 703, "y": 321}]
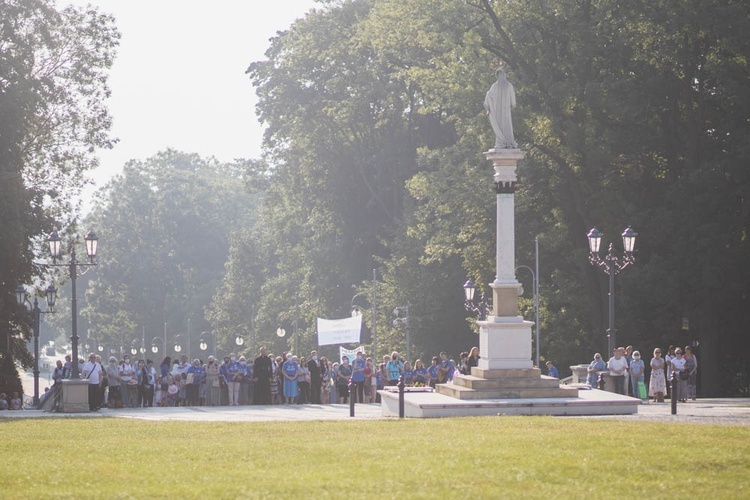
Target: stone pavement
[
  {"x": 713, "y": 411},
  {"x": 288, "y": 413},
  {"x": 724, "y": 411}
]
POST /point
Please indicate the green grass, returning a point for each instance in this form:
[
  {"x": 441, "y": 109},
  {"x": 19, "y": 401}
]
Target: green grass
[{"x": 482, "y": 457}]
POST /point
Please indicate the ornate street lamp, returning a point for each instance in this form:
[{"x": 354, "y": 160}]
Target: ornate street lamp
[
  {"x": 203, "y": 343},
  {"x": 478, "y": 309},
  {"x": 33, "y": 309},
  {"x": 55, "y": 249},
  {"x": 177, "y": 343},
  {"x": 156, "y": 343},
  {"x": 610, "y": 265}
]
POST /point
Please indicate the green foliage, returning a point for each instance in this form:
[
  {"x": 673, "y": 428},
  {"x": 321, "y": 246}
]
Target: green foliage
[
  {"x": 53, "y": 86},
  {"x": 165, "y": 225},
  {"x": 631, "y": 115}
]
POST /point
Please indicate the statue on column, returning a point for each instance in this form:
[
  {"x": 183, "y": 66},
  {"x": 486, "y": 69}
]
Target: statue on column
[{"x": 498, "y": 102}]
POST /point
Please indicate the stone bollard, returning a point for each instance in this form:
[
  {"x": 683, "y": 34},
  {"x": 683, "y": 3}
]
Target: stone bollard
[
  {"x": 600, "y": 382},
  {"x": 401, "y": 397},
  {"x": 673, "y": 389},
  {"x": 352, "y": 390}
]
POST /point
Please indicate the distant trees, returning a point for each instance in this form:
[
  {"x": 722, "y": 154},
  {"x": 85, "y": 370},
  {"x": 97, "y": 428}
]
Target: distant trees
[{"x": 165, "y": 226}]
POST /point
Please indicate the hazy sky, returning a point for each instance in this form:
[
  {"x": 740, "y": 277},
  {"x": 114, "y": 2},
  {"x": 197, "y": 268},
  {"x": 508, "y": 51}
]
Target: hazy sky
[{"x": 179, "y": 77}]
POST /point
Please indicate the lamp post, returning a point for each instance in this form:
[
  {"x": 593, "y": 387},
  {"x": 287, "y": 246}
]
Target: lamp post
[
  {"x": 177, "y": 343},
  {"x": 23, "y": 301},
  {"x": 611, "y": 265},
  {"x": 402, "y": 318},
  {"x": 280, "y": 333},
  {"x": 203, "y": 344},
  {"x": 478, "y": 309},
  {"x": 55, "y": 249},
  {"x": 535, "y": 286},
  {"x": 155, "y": 345}
]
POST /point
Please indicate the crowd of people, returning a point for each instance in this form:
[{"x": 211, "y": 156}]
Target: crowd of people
[
  {"x": 628, "y": 371},
  {"x": 289, "y": 379},
  {"x": 265, "y": 380}
]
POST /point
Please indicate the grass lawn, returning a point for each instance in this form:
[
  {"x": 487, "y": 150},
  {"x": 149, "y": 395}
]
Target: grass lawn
[{"x": 481, "y": 457}]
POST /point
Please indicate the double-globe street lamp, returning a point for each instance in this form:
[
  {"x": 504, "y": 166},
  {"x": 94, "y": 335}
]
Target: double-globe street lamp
[
  {"x": 55, "y": 249},
  {"x": 611, "y": 264},
  {"x": 476, "y": 307},
  {"x": 23, "y": 301}
]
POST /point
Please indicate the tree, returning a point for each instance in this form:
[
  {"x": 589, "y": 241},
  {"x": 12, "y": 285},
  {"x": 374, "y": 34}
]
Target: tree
[
  {"x": 53, "y": 71},
  {"x": 629, "y": 115},
  {"x": 165, "y": 225}
]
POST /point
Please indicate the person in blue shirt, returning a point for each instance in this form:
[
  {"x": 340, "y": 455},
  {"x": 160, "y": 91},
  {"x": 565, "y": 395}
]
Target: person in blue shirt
[
  {"x": 445, "y": 369},
  {"x": 192, "y": 390},
  {"x": 234, "y": 380},
  {"x": 432, "y": 371},
  {"x": 420, "y": 373},
  {"x": 597, "y": 365},
  {"x": 408, "y": 374},
  {"x": 289, "y": 371},
  {"x": 244, "y": 381},
  {"x": 551, "y": 370},
  {"x": 343, "y": 373},
  {"x": 358, "y": 378},
  {"x": 395, "y": 368},
  {"x": 224, "y": 379}
]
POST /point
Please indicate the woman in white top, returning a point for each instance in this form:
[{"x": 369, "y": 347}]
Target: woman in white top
[
  {"x": 617, "y": 367},
  {"x": 678, "y": 367},
  {"x": 658, "y": 384},
  {"x": 668, "y": 360}
]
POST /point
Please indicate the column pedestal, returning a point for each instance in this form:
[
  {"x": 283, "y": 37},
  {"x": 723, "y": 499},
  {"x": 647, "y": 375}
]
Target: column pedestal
[
  {"x": 505, "y": 343},
  {"x": 75, "y": 396}
]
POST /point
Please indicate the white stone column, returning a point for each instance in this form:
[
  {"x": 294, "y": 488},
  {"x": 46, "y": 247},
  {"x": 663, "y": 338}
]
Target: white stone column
[{"x": 505, "y": 338}]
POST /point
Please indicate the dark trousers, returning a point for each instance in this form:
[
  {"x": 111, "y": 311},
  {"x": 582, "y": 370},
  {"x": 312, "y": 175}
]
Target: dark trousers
[
  {"x": 619, "y": 381},
  {"x": 304, "y": 392},
  {"x": 93, "y": 397},
  {"x": 358, "y": 392},
  {"x": 262, "y": 392},
  {"x": 315, "y": 392},
  {"x": 145, "y": 395}
]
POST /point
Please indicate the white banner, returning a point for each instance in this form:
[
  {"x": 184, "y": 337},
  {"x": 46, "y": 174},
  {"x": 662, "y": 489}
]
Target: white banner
[
  {"x": 351, "y": 353},
  {"x": 339, "y": 331}
]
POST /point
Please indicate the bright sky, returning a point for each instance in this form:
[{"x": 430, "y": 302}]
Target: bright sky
[{"x": 179, "y": 77}]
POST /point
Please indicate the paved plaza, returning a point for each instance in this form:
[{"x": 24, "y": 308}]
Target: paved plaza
[{"x": 723, "y": 411}]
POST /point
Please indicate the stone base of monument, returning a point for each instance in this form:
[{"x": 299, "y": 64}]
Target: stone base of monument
[
  {"x": 432, "y": 405},
  {"x": 505, "y": 384},
  {"x": 75, "y": 396}
]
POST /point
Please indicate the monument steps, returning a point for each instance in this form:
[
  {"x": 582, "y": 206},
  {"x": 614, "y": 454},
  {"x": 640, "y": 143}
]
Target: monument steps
[
  {"x": 480, "y": 384},
  {"x": 463, "y": 393}
]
